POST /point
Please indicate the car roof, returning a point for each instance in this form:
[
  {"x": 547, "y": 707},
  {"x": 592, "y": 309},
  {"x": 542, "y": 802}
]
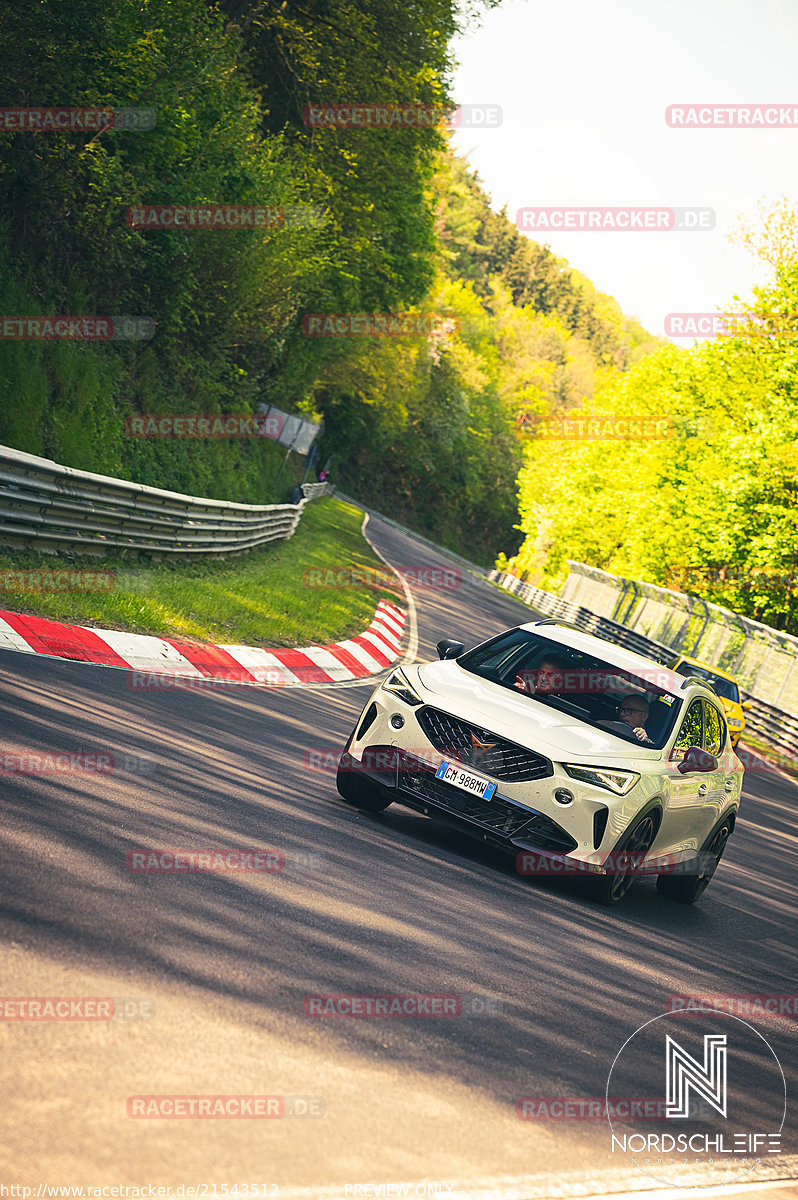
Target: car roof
[
  {"x": 697, "y": 662},
  {"x": 575, "y": 639}
]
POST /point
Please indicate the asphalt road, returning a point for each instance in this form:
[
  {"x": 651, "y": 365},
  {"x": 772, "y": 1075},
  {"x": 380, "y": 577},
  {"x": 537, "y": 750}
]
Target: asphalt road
[{"x": 395, "y": 903}]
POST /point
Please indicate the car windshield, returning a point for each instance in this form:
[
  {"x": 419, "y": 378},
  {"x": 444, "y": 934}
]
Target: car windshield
[
  {"x": 726, "y": 688},
  {"x": 590, "y": 689}
]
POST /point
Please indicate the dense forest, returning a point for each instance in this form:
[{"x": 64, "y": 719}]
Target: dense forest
[
  {"x": 711, "y": 507},
  {"x": 421, "y": 426},
  {"x": 444, "y": 427}
]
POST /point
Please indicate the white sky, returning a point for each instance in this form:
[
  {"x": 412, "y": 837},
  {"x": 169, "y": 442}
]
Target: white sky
[{"x": 584, "y": 85}]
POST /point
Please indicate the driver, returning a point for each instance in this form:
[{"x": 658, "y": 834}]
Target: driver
[{"x": 632, "y": 711}]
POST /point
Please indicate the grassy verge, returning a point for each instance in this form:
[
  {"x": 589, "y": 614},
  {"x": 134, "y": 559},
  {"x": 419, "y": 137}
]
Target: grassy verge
[
  {"x": 270, "y": 597},
  {"x": 784, "y": 762}
]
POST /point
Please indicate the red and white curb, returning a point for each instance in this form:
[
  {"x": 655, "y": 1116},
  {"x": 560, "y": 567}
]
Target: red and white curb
[{"x": 366, "y": 654}]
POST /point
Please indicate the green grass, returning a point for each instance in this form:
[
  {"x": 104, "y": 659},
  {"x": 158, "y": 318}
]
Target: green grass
[
  {"x": 779, "y": 758},
  {"x": 263, "y": 598}
]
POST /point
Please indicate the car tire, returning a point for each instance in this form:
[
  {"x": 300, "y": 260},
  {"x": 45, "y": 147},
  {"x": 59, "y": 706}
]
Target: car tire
[
  {"x": 689, "y": 888},
  {"x": 610, "y": 889},
  {"x": 357, "y": 791}
]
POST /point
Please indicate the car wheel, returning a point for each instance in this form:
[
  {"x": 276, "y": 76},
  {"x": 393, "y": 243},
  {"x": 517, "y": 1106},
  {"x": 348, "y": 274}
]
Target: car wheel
[
  {"x": 354, "y": 789},
  {"x": 689, "y": 888},
  {"x": 609, "y": 889}
]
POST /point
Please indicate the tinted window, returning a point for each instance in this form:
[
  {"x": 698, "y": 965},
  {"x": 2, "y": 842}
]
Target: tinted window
[
  {"x": 691, "y": 731},
  {"x": 724, "y": 687},
  {"x": 578, "y": 684},
  {"x": 713, "y": 735}
]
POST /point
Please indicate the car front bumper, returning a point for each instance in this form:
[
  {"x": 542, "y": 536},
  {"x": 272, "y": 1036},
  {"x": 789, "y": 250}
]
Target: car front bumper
[{"x": 500, "y": 821}]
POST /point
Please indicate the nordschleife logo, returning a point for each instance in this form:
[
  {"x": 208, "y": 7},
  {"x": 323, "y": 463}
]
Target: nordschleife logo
[{"x": 718, "y": 1091}]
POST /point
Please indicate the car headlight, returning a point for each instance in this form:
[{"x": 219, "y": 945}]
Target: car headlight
[
  {"x": 398, "y": 685},
  {"x": 734, "y": 722},
  {"x": 619, "y": 782}
]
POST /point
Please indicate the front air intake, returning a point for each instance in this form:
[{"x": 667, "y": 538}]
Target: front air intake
[
  {"x": 369, "y": 717},
  {"x": 600, "y": 817}
]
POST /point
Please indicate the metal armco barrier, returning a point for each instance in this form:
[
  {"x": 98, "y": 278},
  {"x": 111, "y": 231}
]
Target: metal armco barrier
[
  {"x": 774, "y": 726},
  {"x": 50, "y": 507}
]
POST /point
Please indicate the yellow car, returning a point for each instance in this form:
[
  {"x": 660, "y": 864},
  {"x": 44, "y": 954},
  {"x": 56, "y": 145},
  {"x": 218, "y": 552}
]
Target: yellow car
[{"x": 725, "y": 686}]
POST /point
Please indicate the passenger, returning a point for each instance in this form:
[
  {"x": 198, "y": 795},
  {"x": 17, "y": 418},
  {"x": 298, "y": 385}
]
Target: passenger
[{"x": 548, "y": 678}]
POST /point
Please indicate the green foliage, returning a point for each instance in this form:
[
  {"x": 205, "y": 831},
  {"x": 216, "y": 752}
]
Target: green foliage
[
  {"x": 424, "y": 427},
  {"x": 710, "y": 509}
]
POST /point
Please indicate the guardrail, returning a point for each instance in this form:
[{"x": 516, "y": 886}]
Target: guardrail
[
  {"x": 55, "y": 508},
  {"x": 762, "y": 659},
  {"x": 774, "y": 726}
]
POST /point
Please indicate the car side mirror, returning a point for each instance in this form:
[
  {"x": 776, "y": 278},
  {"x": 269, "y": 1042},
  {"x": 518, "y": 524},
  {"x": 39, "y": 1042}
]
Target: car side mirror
[
  {"x": 449, "y": 648},
  {"x": 696, "y": 759},
  {"x": 747, "y": 705}
]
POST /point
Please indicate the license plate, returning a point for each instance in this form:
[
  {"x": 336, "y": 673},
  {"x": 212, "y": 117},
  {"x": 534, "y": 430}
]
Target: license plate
[{"x": 467, "y": 780}]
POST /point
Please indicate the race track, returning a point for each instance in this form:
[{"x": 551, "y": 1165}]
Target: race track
[{"x": 386, "y": 904}]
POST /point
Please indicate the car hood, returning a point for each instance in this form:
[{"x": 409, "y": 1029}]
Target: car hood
[{"x": 497, "y": 709}]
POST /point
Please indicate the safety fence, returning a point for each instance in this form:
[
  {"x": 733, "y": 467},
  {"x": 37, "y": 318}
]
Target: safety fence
[
  {"x": 774, "y": 725},
  {"x": 47, "y": 506}
]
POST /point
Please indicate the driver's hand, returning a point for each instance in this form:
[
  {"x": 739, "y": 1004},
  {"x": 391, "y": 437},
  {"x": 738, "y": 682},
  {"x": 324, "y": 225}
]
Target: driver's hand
[
  {"x": 641, "y": 734},
  {"x": 525, "y": 681}
]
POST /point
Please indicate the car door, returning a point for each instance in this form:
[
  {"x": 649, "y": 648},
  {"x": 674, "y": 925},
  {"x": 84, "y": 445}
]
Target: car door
[
  {"x": 684, "y": 816},
  {"x": 716, "y": 741},
  {"x": 711, "y": 788}
]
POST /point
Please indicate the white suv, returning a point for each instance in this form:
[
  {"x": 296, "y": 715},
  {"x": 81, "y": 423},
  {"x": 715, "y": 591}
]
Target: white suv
[{"x": 574, "y": 754}]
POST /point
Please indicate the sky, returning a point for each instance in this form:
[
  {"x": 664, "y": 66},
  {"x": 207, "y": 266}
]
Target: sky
[{"x": 583, "y": 86}]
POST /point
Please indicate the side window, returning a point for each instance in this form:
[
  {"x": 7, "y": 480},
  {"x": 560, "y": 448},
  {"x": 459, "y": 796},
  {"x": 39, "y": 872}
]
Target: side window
[
  {"x": 714, "y": 729},
  {"x": 690, "y": 733}
]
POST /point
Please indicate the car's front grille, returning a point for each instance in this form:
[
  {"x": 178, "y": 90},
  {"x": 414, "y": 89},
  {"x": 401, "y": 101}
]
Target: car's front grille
[
  {"x": 473, "y": 746},
  {"x": 496, "y": 814}
]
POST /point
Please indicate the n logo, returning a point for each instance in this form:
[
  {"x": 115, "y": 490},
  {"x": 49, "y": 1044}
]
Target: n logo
[{"x": 684, "y": 1072}]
